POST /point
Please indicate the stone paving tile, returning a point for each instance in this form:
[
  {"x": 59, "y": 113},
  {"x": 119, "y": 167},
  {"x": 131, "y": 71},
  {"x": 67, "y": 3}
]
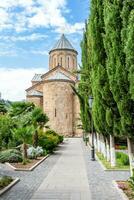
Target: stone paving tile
[
  {"x": 67, "y": 176},
  {"x": 100, "y": 181},
  {"x": 29, "y": 181}
]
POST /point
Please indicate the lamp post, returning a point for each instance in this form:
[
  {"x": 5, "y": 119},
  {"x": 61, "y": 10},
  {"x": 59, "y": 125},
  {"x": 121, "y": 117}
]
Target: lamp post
[{"x": 92, "y": 145}]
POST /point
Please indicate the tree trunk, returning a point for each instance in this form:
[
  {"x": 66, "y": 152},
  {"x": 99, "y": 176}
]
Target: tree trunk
[
  {"x": 104, "y": 147},
  {"x": 35, "y": 139},
  {"x": 112, "y": 151},
  {"x": 24, "y": 151},
  {"x": 96, "y": 143},
  {"x": 98, "y": 140},
  {"x": 130, "y": 143},
  {"x": 108, "y": 149},
  {"x": 101, "y": 143},
  {"x": 90, "y": 139}
]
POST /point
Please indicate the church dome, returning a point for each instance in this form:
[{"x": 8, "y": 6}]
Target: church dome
[{"x": 63, "y": 44}]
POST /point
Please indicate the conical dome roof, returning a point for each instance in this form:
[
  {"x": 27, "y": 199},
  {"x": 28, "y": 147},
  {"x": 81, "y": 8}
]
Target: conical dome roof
[{"x": 63, "y": 43}]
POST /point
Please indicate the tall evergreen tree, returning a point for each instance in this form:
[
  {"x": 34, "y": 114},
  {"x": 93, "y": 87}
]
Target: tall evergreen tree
[
  {"x": 84, "y": 86},
  {"x": 128, "y": 47},
  {"x": 115, "y": 39}
]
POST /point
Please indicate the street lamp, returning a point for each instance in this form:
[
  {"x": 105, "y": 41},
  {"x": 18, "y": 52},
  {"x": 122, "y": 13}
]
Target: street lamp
[{"x": 92, "y": 145}]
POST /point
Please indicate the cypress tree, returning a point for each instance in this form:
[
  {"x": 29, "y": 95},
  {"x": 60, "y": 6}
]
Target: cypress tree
[
  {"x": 116, "y": 15},
  {"x": 105, "y": 112},
  {"x": 84, "y": 86},
  {"x": 128, "y": 47}
]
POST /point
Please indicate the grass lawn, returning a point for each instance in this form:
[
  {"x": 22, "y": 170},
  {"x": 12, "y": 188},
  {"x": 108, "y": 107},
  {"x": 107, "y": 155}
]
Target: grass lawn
[{"x": 108, "y": 165}]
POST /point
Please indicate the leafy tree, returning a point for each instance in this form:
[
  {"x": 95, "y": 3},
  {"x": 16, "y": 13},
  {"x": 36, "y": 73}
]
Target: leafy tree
[
  {"x": 38, "y": 120},
  {"x": 3, "y": 108},
  {"x": 6, "y": 125},
  {"x": 24, "y": 131},
  {"x": 18, "y": 108}
]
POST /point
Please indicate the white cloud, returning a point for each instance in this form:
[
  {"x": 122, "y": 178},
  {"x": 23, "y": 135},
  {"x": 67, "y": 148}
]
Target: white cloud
[
  {"x": 69, "y": 29},
  {"x": 40, "y": 52},
  {"x": 32, "y": 37},
  {"x": 14, "y": 82},
  {"x": 39, "y": 13}
]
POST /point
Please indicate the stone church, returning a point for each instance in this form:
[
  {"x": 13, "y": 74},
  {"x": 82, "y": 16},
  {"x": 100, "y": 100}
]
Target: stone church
[{"x": 52, "y": 91}]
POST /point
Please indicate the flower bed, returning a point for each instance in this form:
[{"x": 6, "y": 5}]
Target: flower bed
[
  {"x": 6, "y": 182},
  {"x": 28, "y": 166},
  {"x": 126, "y": 187}
]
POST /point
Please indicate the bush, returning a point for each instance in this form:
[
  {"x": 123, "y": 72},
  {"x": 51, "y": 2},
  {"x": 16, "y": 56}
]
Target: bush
[
  {"x": 122, "y": 158},
  {"x": 34, "y": 152},
  {"x": 49, "y": 140},
  {"x": 61, "y": 138},
  {"x": 5, "y": 181},
  {"x": 10, "y": 155}
]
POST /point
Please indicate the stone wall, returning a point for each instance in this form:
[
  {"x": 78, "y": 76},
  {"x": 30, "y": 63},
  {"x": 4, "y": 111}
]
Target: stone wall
[
  {"x": 38, "y": 101},
  {"x": 58, "y": 105},
  {"x": 77, "y": 121}
]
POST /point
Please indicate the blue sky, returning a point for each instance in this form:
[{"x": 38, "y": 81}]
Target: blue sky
[{"x": 28, "y": 30}]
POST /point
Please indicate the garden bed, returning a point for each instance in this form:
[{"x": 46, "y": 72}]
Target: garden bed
[
  {"x": 125, "y": 189},
  {"x": 107, "y": 166},
  {"x": 6, "y": 183},
  {"x": 29, "y": 166}
]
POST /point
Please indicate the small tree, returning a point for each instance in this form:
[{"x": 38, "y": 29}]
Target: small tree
[
  {"x": 38, "y": 120},
  {"x": 24, "y": 133}
]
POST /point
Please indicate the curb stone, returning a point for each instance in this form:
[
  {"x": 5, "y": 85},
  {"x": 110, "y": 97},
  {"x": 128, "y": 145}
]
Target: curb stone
[{"x": 9, "y": 186}]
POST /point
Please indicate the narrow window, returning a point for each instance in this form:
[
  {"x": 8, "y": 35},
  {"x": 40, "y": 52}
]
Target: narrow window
[
  {"x": 55, "y": 112},
  {"x": 66, "y": 115},
  {"x": 73, "y": 62},
  {"x": 54, "y": 62},
  {"x": 61, "y": 61},
  {"x": 68, "y": 62}
]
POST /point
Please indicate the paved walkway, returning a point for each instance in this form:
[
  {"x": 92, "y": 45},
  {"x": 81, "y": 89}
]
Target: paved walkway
[
  {"x": 68, "y": 179},
  {"x": 68, "y": 174}
]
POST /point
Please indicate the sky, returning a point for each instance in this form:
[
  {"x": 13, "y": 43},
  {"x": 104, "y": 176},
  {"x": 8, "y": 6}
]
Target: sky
[{"x": 28, "y": 30}]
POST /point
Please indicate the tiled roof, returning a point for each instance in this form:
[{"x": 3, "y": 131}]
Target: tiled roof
[
  {"x": 58, "y": 76},
  {"x": 37, "y": 77},
  {"x": 35, "y": 93},
  {"x": 63, "y": 43}
]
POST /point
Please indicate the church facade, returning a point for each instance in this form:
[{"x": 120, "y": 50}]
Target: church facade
[{"x": 52, "y": 91}]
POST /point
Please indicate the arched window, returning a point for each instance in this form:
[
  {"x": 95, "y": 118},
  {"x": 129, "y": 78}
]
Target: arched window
[
  {"x": 73, "y": 62},
  {"x": 55, "y": 113}
]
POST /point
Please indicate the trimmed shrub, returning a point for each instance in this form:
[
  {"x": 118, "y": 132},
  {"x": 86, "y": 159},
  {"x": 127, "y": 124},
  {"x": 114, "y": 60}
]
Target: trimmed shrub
[{"x": 10, "y": 155}]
